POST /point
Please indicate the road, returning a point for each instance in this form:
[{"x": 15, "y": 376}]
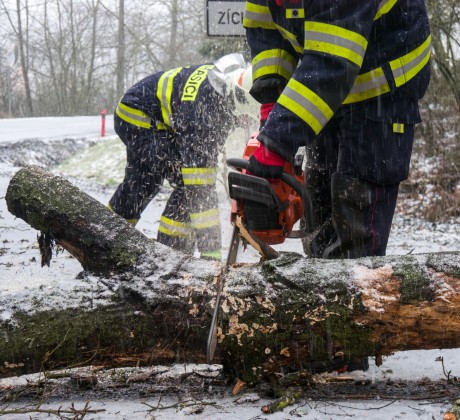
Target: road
[{"x": 53, "y": 127}]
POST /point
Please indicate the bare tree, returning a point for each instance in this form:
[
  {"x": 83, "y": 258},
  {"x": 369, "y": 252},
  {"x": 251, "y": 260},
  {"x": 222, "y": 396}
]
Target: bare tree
[
  {"x": 121, "y": 49},
  {"x": 20, "y": 30},
  {"x": 445, "y": 28}
]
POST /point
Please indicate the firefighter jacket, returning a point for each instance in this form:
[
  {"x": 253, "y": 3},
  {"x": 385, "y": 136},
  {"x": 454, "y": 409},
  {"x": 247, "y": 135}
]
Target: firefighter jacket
[
  {"x": 174, "y": 125},
  {"x": 183, "y": 102},
  {"x": 338, "y": 56}
]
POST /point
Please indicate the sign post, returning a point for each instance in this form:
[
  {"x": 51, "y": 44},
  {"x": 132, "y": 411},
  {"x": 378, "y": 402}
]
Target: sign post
[
  {"x": 225, "y": 18},
  {"x": 103, "y": 114}
]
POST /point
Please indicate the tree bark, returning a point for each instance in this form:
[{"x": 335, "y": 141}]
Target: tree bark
[
  {"x": 155, "y": 305},
  {"x": 99, "y": 239}
]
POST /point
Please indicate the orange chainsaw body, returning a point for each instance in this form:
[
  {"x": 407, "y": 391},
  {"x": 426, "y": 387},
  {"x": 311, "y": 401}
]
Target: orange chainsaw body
[{"x": 294, "y": 208}]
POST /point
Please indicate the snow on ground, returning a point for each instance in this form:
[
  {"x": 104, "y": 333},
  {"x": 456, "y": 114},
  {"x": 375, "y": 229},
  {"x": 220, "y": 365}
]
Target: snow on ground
[{"x": 97, "y": 170}]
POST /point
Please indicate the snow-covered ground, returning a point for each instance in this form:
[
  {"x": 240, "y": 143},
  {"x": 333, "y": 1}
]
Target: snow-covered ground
[{"x": 97, "y": 170}]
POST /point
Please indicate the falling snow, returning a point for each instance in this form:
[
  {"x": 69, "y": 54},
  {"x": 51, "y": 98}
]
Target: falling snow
[{"x": 96, "y": 165}]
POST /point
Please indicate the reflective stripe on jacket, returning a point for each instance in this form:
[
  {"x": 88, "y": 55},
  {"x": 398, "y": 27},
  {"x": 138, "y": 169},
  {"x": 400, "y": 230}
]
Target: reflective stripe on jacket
[
  {"x": 336, "y": 53},
  {"x": 154, "y": 101}
]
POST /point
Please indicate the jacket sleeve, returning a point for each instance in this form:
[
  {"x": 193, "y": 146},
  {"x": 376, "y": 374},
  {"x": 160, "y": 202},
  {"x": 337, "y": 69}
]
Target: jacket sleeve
[
  {"x": 272, "y": 53},
  {"x": 336, "y": 36}
]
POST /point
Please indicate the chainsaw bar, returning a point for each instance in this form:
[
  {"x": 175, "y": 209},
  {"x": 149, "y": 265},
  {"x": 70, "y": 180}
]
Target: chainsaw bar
[{"x": 231, "y": 259}]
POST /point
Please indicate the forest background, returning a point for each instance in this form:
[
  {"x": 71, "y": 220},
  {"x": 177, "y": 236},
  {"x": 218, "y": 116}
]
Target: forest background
[{"x": 77, "y": 57}]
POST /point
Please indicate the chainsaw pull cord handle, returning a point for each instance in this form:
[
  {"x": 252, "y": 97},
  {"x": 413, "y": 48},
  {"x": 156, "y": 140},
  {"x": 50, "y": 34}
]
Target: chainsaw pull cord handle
[{"x": 240, "y": 164}]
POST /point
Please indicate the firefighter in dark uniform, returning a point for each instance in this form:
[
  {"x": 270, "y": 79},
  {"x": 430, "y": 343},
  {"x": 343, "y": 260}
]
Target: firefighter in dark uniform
[
  {"x": 174, "y": 125},
  {"x": 344, "y": 79}
]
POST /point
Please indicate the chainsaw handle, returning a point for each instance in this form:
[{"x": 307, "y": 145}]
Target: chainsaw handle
[{"x": 239, "y": 164}]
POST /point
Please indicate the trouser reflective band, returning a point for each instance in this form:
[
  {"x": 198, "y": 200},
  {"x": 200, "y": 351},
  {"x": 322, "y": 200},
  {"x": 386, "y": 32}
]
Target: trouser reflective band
[
  {"x": 174, "y": 228},
  {"x": 130, "y": 221},
  {"x": 205, "y": 219},
  {"x": 215, "y": 255},
  {"x": 206, "y": 227},
  {"x": 199, "y": 176}
]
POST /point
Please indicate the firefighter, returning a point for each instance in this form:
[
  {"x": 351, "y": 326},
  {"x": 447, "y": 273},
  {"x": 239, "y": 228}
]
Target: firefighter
[
  {"x": 344, "y": 79},
  {"x": 174, "y": 125}
]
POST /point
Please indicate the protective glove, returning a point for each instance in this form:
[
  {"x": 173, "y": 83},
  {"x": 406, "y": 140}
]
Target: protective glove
[
  {"x": 265, "y": 110},
  {"x": 267, "y": 89},
  {"x": 266, "y": 164}
]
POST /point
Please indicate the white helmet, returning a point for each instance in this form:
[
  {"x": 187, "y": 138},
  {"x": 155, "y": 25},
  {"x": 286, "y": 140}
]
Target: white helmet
[
  {"x": 240, "y": 84},
  {"x": 231, "y": 76}
]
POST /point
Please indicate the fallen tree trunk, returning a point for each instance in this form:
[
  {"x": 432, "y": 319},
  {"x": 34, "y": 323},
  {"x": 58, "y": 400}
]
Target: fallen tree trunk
[
  {"x": 155, "y": 306},
  {"x": 99, "y": 239}
]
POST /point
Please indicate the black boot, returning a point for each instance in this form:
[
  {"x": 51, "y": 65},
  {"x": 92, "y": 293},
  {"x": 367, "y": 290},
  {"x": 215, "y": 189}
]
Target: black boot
[{"x": 362, "y": 213}]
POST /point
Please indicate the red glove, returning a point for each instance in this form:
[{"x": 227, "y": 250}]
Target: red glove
[
  {"x": 265, "y": 110},
  {"x": 266, "y": 164}
]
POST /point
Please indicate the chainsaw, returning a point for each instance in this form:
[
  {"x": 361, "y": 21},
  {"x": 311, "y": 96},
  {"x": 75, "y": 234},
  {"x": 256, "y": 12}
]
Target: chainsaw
[
  {"x": 267, "y": 213},
  {"x": 269, "y": 210}
]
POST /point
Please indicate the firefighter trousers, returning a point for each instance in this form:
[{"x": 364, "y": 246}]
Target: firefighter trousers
[
  {"x": 190, "y": 218},
  {"x": 354, "y": 168}
]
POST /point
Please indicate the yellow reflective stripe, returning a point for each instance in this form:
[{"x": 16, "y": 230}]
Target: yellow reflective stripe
[
  {"x": 216, "y": 254},
  {"x": 130, "y": 221},
  {"x": 295, "y": 13},
  {"x": 162, "y": 126},
  {"x": 193, "y": 83},
  {"x": 164, "y": 92},
  {"x": 273, "y": 62},
  {"x": 374, "y": 83},
  {"x": 306, "y": 104},
  {"x": 256, "y": 16},
  {"x": 334, "y": 40},
  {"x": 384, "y": 7},
  {"x": 199, "y": 176},
  {"x": 206, "y": 219},
  {"x": 288, "y": 36},
  {"x": 133, "y": 116},
  {"x": 398, "y": 128},
  {"x": 407, "y": 66},
  {"x": 367, "y": 86},
  {"x": 174, "y": 228}
]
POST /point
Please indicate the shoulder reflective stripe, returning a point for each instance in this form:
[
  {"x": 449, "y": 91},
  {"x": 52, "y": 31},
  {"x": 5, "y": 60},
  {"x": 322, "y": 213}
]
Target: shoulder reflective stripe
[
  {"x": 367, "y": 86},
  {"x": 306, "y": 104},
  {"x": 193, "y": 83},
  {"x": 295, "y": 13},
  {"x": 407, "y": 66},
  {"x": 384, "y": 7},
  {"x": 374, "y": 83},
  {"x": 174, "y": 228},
  {"x": 291, "y": 38},
  {"x": 273, "y": 62},
  {"x": 256, "y": 16},
  {"x": 205, "y": 219},
  {"x": 331, "y": 39},
  {"x": 199, "y": 176},
  {"x": 164, "y": 91},
  {"x": 133, "y": 116},
  {"x": 398, "y": 128}
]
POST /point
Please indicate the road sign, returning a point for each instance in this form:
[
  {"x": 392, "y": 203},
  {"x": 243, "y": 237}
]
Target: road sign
[{"x": 225, "y": 17}]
